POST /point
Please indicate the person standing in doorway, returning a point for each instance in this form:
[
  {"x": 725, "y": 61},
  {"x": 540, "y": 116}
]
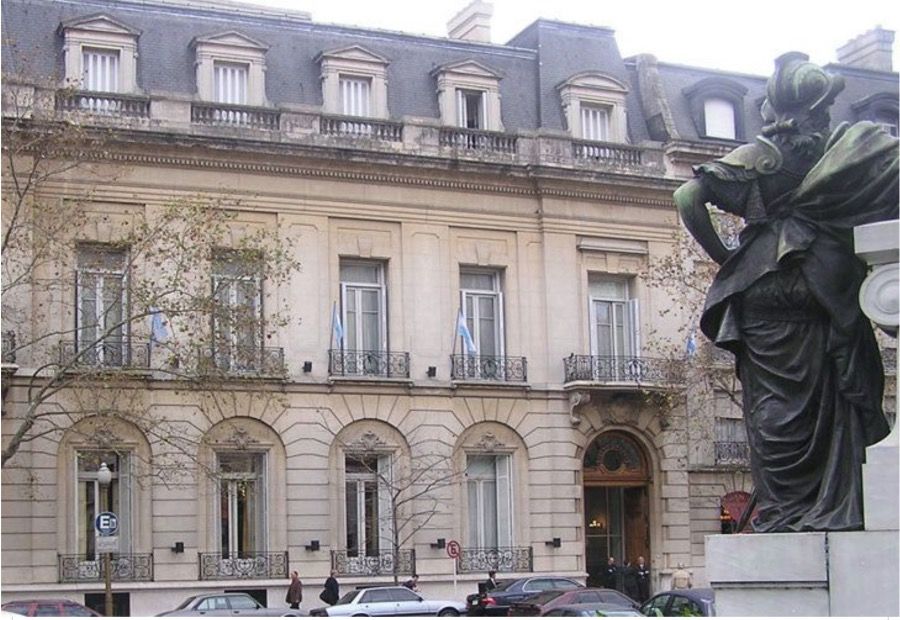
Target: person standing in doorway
[
  {"x": 332, "y": 591},
  {"x": 611, "y": 574},
  {"x": 643, "y": 575},
  {"x": 295, "y": 591}
]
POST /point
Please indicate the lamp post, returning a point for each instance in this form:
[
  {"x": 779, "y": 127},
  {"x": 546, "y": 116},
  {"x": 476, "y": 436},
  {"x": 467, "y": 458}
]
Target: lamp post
[{"x": 104, "y": 478}]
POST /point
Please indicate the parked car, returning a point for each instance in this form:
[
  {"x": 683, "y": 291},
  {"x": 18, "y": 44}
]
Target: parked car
[
  {"x": 228, "y": 604},
  {"x": 508, "y": 591},
  {"x": 388, "y": 601},
  {"x": 539, "y": 604},
  {"x": 695, "y": 602},
  {"x": 48, "y": 607},
  {"x": 601, "y": 610}
]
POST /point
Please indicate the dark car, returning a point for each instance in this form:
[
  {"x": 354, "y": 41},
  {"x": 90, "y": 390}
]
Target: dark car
[
  {"x": 508, "y": 591},
  {"x": 48, "y": 607},
  {"x": 698, "y": 602},
  {"x": 539, "y": 604},
  {"x": 227, "y": 604},
  {"x": 595, "y": 610}
]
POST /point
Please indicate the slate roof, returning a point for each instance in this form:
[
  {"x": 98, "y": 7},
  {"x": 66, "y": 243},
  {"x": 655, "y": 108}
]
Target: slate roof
[{"x": 532, "y": 64}]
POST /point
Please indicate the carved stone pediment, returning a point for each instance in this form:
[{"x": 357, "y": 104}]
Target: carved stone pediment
[{"x": 368, "y": 442}]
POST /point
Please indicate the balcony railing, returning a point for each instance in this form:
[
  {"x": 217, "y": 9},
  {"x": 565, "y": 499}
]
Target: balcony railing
[
  {"x": 248, "y": 565},
  {"x": 244, "y": 361},
  {"x": 502, "y": 559},
  {"x": 225, "y": 115},
  {"x": 123, "y": 567},
  {"x": 621, "y": 369},
  {"x": 9, "y": 347},
  {"x": 732, "y": 453},
  {"x": 488, "y": 368},
  {"x": 478, "y": 140},
  {"x": 343, "y": 363},
  {"x": 361, "y": 128},
  {"x": 107, "y": 104},
  {"x": 128, "y": 354},
  {"x": 346, "y": 565},
  {"x": 606, "y": 152}
]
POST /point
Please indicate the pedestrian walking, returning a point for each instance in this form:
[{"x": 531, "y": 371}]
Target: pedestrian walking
[
  {"x": 295, "y": 591},
  {"x": 490, "y": 583},
  {"x": 332, "y": 591},
  {"x": 412, "y": 583}
]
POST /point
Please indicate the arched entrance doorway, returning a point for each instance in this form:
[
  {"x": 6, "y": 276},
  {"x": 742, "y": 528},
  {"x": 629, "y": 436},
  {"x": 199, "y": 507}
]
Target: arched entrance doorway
[{"x": 616, "y": 503}]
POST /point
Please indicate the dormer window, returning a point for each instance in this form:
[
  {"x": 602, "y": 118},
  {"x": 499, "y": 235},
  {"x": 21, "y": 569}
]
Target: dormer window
[
  {"x": 100, "y": 54},
  {"x": 231, "y": 69},
  {"x": 716, "y": 105},
  {"x": 594, "y": 107},
  {"x": 881, "y": 109},
  {"x": 718, "y": 118},
  {"x": 469, "y": 95},
  {"x": 354, "y": 82}
]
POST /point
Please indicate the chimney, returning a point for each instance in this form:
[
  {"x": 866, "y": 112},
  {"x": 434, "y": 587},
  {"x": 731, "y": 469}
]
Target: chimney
[
  {"x": 871, "y": 50},
  {"x": 473, "y": 23}
]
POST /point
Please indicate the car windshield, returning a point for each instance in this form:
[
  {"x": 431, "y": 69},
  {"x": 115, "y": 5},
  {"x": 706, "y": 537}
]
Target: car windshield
[
  {"x": 347, "y": 598},
  {"x": 186, "y": 602}
]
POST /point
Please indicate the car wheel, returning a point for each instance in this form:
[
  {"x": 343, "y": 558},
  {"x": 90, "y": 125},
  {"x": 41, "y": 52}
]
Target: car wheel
[{"x": 448, "y": 612}]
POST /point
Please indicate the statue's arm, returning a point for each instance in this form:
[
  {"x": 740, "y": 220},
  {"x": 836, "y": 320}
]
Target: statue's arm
[{"x": 691, "y": 199}]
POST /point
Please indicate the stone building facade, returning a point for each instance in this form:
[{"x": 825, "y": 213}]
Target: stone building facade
[{"x": 522, "y": 189}]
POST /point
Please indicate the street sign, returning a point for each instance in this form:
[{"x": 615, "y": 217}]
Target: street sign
[
  {"x": 106, "y": 544},
  {"x": 106, "y": 524},
  {"x": 453, "y": 549}
]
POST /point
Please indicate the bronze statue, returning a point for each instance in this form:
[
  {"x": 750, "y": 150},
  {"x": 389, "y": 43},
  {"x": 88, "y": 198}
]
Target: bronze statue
[{"x": 785, "y": 300}]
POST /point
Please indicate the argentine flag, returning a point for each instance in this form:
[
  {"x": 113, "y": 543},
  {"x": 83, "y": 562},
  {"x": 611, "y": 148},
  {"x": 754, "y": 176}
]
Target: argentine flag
[
  {"x": 159, "y": 330},
  {"x": 463, "y": 330}
]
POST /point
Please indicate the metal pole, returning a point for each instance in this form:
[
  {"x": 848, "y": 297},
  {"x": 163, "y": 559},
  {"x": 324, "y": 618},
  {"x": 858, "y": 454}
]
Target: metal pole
[{"x": 108, "y": 579}]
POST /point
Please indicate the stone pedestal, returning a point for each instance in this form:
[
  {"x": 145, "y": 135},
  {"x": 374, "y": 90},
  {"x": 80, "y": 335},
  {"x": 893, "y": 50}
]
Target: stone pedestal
[{"x": 829, "y": 573}]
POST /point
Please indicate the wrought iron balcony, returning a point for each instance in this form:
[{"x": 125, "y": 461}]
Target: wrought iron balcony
[
  {"x": 488, "y": 368},
  {"x": 501, "y": 559},
  {"x": 244, "y": 361},
  {"x": 622, "y": 369},
  {"x": 387, "y": 364},
  {"x": 607, "y": 152},
  {"x": 247, "y": 565},
  {"x": 357, "y": 127},
  {"x": 125, "y": 354},
  {"x": 226, "y": 115},
  {"x": 478, "y": 140},
  {"x": 732, "y": 453},
  {"x": 123, "y": 567},
  {"x": 346, "y": 565},
  {"x": 105, "y": 104},
  {"x": 9, "y": 347}
]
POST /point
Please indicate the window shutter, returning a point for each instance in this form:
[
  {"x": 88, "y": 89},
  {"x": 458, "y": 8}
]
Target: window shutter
[
  {"x": 634, "y": 326},
  {"x": 504, "y": 501},
  {"x": 385, "y": 516},
  {"x": 500, "y": 327},
  {"x": 460, "y": 109}
]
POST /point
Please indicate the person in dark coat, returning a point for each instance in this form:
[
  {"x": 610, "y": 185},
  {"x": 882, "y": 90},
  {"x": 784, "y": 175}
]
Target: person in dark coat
[
  {"x": 630, "y": 580},
  {"x": 295, "y": 591},
  {"x": 490, "y": 583},
  {"x": 611, "y": 574},
  {"x": 332, "y": 591},
  {"x": 643, "y": 577}
]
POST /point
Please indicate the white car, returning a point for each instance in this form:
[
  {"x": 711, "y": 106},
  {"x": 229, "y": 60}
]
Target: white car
[{"x": 388, "y": 601}]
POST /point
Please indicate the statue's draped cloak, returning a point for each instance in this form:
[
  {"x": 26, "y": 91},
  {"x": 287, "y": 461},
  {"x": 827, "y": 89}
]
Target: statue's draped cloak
[{"x": 786, "y": 303}]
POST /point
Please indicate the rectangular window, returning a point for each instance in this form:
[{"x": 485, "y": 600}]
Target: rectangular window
[
  {"x": 230, "y": 82},
  {"x": 614, "y": 318},
  {"x": 241, "y": 504},
  {"x": 363, "y": 305},
  {"x": 101, "y": 305},
  {"x": 94, "y": 498},
  {"x": 355, "y": 96},
  {"x": 490, "y": 503},
  {"x": 368, "y": 504},
  {"x": 718, "y": 116},
  {"x": 595, "y": 123},
  {"x": 101, "y": 70},
  {"x": 731, "y": 430},
  {"x": 237, "y": 320},
  {"x": 470, "y": 109}
]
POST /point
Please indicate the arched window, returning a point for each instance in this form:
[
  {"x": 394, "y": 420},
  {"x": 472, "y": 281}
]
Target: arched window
[{"x": 717, "y": 105}]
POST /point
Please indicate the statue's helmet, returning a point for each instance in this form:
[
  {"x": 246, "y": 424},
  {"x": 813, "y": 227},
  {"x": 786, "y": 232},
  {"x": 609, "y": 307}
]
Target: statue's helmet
[{"x": 799, "y": 88}]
